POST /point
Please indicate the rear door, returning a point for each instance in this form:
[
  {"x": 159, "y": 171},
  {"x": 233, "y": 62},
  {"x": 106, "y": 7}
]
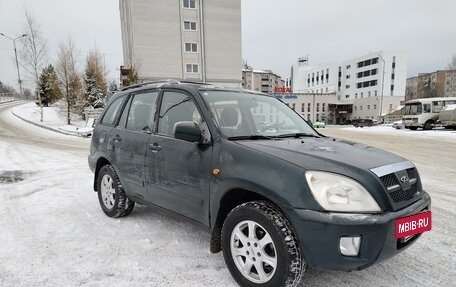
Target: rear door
[
  {"x": 177, "y": 171},
  {"x": 131, "y": 138}
]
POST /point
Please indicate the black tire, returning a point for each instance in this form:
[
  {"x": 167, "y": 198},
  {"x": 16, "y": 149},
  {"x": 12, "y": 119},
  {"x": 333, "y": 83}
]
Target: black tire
[
  {"x": 413, "y": 128},
  {"x": 121, "y": 204},
  {"x": 290, "y": 264},
  {"x": 428, "y": 125}
]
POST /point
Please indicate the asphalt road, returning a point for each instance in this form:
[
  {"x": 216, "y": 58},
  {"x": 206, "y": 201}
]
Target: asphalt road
[{"x": 53, "y": 232}]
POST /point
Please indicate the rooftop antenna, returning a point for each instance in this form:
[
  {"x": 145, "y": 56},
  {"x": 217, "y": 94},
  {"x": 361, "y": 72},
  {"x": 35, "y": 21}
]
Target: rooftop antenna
[{"x": 303, "y": 61}]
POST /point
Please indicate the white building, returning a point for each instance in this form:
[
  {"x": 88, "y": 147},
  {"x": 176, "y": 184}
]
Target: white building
[
  {"x": 260, "y": 80},
  {"x": 380, "y": 76},
  {"x": 183, "y": 39}
]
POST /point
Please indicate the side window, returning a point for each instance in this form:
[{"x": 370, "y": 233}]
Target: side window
[
  {"x": 110, "y": 115},
  {"x": 141, "y": 112},
  {"x": 426, "y": 108},
  {"x": 123, "y": 118},
  {"x": 176, "y": 107}
]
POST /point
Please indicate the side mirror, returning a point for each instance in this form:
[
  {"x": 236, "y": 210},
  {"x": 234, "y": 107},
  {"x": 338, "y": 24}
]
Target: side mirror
[{"x": 187, "y": 131}]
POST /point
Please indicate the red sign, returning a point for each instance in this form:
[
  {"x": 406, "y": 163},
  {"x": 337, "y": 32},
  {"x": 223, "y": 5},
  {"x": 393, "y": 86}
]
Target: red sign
[
  {"x": 280, "y": 89},
  {"x": 414, "y": 224}
]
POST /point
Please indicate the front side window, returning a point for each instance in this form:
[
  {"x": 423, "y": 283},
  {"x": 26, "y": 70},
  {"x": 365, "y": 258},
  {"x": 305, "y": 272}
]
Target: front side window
[
  {"x": 109, "y": 117},
  {"x": 426, "y": 108},
  {"x": 234, "y": 114},
  {"x": 176, "y": 107},
  {"x": 437, "y": 106}
]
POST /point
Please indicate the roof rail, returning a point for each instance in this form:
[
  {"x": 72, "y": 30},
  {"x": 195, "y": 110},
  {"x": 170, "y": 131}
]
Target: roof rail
[{"x": 168, "y": 81}]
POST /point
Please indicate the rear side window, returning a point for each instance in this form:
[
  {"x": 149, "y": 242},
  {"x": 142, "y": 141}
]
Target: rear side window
[
  {"x": 109, "y": 117},
  {"x": 141, "y": 112}
]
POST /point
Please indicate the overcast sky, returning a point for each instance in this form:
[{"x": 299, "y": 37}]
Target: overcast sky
[{"x": 274, "y": 33}]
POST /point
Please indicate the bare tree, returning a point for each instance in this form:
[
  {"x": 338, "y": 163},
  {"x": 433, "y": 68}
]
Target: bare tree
[
  {"x": 70, "y": 81},
  {"x": 452, "y": 63},
  {"x": 33, "y": 53}
]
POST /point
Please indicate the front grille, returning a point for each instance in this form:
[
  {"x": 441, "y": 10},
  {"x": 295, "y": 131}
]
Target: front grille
[
  {"x": 389, "y": 180},
  {"x": 396, "y": 192},
  {"x": 404, "y": 195}
]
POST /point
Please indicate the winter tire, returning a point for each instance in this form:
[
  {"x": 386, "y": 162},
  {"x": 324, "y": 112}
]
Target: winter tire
[
  {"x": 111, "y": 195},
  {"x": 427, "y": 125},
  {"x": 260, "y": 247}
]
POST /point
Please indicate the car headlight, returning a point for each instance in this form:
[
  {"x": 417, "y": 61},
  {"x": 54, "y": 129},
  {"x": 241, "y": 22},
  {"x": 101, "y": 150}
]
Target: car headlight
[{"x": 339, "y": 193}]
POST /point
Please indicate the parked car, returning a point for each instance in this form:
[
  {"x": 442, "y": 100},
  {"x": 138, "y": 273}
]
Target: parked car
[
  {"x": 276, "y": 200},
  {"x": 319, "y": 124},
  {"x": 398, "y": 125},
  {"x": 346, "y": 122},
  {"x": 363, "y": 123}
]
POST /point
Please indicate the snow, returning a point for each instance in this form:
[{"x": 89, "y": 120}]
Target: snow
[
  {"x": 53, "y": 232},
  {"x": 54, "y": 117},
  {"x": 438, "y": 133}
]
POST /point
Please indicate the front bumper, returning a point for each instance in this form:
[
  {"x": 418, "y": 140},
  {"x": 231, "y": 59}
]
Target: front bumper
[{"x": 319, "y": 234}]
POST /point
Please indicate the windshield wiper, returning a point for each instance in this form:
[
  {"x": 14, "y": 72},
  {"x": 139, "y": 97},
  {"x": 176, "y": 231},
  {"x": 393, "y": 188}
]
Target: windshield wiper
[
  {"x": 251, "y": 137},
  {"x": 298, "y": 135}
]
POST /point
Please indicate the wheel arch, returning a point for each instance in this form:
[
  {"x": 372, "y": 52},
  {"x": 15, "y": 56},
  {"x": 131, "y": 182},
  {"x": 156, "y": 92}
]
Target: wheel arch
[
  {"x": 102, "y": 161},
  {"x": 228, "y": 202}
]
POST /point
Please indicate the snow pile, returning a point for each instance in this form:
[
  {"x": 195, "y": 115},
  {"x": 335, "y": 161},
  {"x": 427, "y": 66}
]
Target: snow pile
[{"x": 54, "y": 118}]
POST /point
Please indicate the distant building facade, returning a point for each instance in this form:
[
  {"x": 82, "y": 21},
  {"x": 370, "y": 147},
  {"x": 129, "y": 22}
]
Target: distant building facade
[
  {"x": 431, "y": 85},
  {"x": 380, "y": 76},
  {"x": 183, "y": 39},
  {"x": 260, "y": 80}
]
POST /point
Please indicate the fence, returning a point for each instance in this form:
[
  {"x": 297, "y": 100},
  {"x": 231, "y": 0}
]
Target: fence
[
  {"x": 91, "y": 113},
  {"x": 7, "y": 97}
]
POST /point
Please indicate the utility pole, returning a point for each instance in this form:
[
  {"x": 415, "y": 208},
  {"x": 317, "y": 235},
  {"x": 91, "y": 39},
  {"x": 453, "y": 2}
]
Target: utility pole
[
  {"x": 383, "y": 79},
  {"x": 17, "y": 62}
]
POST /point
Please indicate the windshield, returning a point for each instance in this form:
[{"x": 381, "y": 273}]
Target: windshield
[
  {"x": 413, "y": 109},
  {"x": 240, "y": 114}
]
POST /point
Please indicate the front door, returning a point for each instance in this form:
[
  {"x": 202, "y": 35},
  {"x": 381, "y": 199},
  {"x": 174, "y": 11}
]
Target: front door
[{"x": 177, "y": 171}]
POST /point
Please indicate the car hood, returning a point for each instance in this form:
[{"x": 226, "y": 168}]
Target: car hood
[{"x": 324, "y": 153}]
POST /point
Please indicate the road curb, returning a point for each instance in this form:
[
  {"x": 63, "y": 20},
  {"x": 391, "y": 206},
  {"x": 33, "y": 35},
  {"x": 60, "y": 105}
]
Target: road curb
[{"x": 44, "y": 126}]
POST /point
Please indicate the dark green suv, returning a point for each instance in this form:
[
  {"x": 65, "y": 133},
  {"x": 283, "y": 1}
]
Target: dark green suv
[{"x": 276, "y": 195}]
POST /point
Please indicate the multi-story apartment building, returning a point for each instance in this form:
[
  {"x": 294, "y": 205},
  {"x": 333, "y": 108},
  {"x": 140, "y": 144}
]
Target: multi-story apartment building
[
  {"x": 380, "y": 75},
  {"x": 183, "y": 39},
  {"x": 430, "y": 85},
  {"x": 260, "y": 80}
]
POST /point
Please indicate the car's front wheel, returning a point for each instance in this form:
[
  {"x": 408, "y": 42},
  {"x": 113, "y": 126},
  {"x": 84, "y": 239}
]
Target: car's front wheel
[
  {"x": 260, "y": 247},
  {"x": 111, "y": 195}
]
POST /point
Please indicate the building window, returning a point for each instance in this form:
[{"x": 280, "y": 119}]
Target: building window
[
  {"x": 302, "y": 107},
  {"x": 391, "y": 106},
  {"x": 347, "y": 96},
  {"x": 368, "y": 107},
  {"x": 294, "y": 106},
  {"x": 318, "y": 107},
  {"x": 355, "y": 107},
  {"x": 361, "y": 95},
  {"x": 347, "y": 76},
  {"x": 356, "y": 95},
  {"x": 308, "y": 107},
  {"x": 191, "y": 47},
  {"x": 323, "y": 107},
  {"x": 375, "y": 106},
  {"x": 190, "y": 25},
  {"x": 192, "y": 68},
  {"x": 360, "y": 108},
  {"x": 189, "y": 4},
  {"x": 369, "y": 94},
  {"x": 348, "y": 66},
  {"x": 347, "y": 86},
  {"x": 375, "y": 93}
]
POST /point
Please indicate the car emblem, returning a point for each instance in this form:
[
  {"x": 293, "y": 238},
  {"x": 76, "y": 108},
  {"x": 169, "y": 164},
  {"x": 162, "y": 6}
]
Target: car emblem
[{"x": 404, "y": 179}]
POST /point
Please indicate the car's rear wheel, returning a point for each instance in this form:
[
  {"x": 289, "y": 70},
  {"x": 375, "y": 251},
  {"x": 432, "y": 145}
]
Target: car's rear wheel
[
  {"x": 428, "y": 125},
  {"x": 260, "y": 247},
  {"x": 111, "y": 195}
]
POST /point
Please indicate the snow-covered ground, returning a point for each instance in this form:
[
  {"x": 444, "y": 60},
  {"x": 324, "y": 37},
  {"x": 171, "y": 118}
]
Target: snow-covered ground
[
  {"x": 437, "y": 133},
  {"x": 53, "y": 232},
  {"x": 54, "y": 117}
]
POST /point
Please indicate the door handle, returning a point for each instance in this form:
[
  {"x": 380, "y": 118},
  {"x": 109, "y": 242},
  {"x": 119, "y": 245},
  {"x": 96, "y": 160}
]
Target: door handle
[{"x": 155, "y": 147}]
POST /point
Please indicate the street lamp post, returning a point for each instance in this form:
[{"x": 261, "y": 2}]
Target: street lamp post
[
  {"x": 383, "y": 79},
  {"x": 15, "y": 54}
]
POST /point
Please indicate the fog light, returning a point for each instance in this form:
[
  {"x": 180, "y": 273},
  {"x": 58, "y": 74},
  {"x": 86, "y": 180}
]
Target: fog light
[{"x": 349, "y": 246}]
